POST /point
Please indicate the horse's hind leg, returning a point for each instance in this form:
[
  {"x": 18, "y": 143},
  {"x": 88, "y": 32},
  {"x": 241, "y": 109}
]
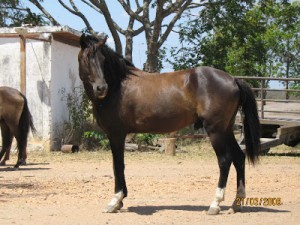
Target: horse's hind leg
[
  {"x": 7, "y": 139},
  {"x": 239, "y": 164},
  {"x": 221, "y": 145},
  {"x": 22, "y": 155}
]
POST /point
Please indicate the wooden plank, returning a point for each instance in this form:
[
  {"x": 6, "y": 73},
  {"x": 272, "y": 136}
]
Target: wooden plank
[
  {"x": 289, "y": 135},
  {"x": 266, "y": 144},
  {"x": 274, "y": 121}
]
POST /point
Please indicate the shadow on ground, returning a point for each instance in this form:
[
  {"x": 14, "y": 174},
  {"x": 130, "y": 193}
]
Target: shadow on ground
[{"x": 150, "y": 210}]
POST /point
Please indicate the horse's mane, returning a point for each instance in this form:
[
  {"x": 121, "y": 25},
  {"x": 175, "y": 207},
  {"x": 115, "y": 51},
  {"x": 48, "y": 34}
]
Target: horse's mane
[{"x": 116, "y": 67}]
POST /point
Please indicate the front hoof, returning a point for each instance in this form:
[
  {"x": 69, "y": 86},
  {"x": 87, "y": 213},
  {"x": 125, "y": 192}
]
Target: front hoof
[
  {"x": 22, "y": 162},
  {"x": 2, "y": 163},
  {"x": 16, "y": 166},
  {"x": 214, "y": 210},
  {"x": 233, "y": 209},
  {"x": 114, "y": 208}
]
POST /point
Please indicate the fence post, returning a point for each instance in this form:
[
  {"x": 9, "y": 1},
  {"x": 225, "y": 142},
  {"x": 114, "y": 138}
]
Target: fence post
[
  {"x": 23, "y": 65},
  {"x": 286, "y": 90},
  {"x": 262, "y": 102}
]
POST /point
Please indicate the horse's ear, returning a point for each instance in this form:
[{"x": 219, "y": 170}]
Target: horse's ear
[
  {"x": 102, "y": 41},
  {"x": 83, "y": 41}
]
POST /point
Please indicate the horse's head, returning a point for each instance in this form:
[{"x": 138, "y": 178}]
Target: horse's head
[{"x": 91, "y": 62}]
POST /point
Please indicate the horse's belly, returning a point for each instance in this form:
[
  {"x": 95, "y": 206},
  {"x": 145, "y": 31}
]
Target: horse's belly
[{"x": 159, "y": 124}]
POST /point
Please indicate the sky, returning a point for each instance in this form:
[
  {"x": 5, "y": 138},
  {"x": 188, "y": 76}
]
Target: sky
[{"x": 98, "y": 23}]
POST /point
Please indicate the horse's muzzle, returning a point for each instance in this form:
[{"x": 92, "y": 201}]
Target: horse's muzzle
[{"x": 100, "y": 91}]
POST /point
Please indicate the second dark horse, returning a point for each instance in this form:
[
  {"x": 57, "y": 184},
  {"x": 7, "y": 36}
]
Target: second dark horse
[
  {"x": 128, "y": 100},
  {"x": 15, "y": 121}
]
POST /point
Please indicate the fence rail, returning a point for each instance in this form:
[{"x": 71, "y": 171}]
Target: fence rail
[{"x": 282, "y": 111}]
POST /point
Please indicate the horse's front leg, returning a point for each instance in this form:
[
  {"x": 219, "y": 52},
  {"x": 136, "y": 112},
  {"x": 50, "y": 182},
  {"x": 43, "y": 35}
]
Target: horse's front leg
[{"x": 117, "y": 148}]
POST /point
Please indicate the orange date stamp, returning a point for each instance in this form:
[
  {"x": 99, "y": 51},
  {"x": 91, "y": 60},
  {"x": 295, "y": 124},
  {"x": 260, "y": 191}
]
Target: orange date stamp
[{"x": 245, "y": 201}]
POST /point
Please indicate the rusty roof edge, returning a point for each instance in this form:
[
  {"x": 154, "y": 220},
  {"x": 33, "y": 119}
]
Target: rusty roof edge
[{"x": 37, "y": 30}]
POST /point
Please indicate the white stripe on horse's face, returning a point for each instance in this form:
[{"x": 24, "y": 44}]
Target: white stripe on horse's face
[{"x": 97, "y": 78}]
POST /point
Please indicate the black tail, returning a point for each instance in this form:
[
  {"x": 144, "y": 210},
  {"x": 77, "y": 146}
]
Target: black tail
[
  {"x": 250, "y": 121},
  {"x": 25, "y": 122}
]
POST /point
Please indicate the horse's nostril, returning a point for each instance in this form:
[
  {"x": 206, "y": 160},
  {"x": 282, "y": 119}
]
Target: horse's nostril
[{"x": 101, "y": 88}]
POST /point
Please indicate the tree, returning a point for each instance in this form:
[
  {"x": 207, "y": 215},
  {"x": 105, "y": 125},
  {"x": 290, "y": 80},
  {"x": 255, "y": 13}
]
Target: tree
[
  {"x": 12, "y": 13},
  {"x": 156, "y": 18},
  {"x": 207, "y": 38},
  {"x": 283, "y": 37},
  {"x": 243, "y": 39}
]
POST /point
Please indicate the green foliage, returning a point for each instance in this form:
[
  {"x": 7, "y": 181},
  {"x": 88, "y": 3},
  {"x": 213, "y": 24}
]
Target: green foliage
[
  {"x": 147, "y": 139},
  {"x": 92, "y": 137},
  {"x": 242, "y": 38},
  {"x": 79, "y": 106},
  {"x": 81, "y": 118},
  {"x": 12, "y": 13},
  {"x": 80, "y": 112}
]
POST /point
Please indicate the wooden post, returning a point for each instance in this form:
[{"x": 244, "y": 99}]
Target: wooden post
[
  {"x": 23, "y": 64},
  {"x": 69, "y": 148},
  {"x": 169, "y": 145},
  {"x": 262, "y": 102}
]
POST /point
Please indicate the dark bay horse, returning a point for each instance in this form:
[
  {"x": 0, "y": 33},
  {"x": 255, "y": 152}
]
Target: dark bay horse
[
  {"x": 128, "y": 100},
  {"x": 15, "y": 121}
]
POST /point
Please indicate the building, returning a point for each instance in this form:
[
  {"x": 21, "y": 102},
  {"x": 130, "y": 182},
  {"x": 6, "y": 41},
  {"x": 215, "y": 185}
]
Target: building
[{"x": 42, "y": 63}]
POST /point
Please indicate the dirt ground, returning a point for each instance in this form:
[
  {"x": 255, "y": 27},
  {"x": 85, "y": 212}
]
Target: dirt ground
[{"x": 58, "y": 188}]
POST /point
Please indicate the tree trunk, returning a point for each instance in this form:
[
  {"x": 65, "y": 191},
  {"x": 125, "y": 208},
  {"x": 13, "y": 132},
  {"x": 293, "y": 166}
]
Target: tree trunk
[
  {"x": 128, "y": 46},
  {"x": 151, "y": 64}
]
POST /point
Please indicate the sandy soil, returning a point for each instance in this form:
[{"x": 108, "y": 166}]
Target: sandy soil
[{"x": 57, "y": 188}]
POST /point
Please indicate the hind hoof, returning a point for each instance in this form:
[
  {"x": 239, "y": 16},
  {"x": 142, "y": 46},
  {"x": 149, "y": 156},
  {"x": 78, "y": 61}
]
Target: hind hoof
[{"x": 214, "y": 210}]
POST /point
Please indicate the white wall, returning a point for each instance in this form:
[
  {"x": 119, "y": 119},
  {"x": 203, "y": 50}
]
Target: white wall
[
  {"x": 51, "y": 73},
  {"x": 38, "y": 77},
  {"x": 65, "y": 78},
  {"x": 10, "y": 62}
]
